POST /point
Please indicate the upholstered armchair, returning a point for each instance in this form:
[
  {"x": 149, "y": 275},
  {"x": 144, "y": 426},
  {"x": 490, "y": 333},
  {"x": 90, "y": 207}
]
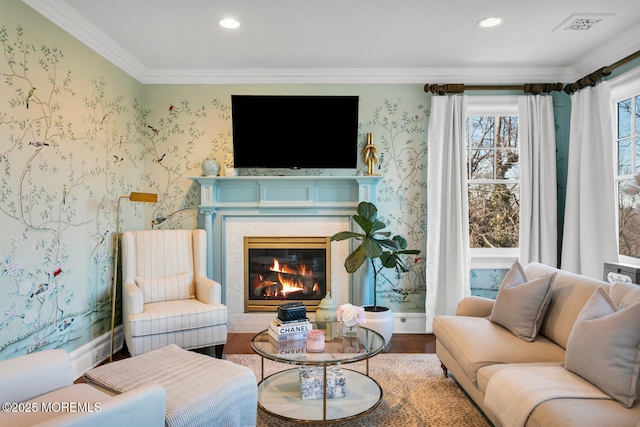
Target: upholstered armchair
[{"x": 167, "y": 297}]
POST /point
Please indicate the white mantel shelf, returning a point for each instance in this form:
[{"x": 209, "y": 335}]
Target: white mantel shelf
[
  {"x": 292, "y": 193},
  {"x": 281, "y": 196}
]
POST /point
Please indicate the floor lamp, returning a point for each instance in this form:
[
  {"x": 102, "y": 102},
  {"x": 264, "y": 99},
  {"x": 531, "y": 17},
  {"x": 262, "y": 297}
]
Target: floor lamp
[{"x": 134, "y": 197}]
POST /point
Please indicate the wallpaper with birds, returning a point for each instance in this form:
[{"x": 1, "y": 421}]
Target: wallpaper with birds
[{"x": 76, "y": 133}]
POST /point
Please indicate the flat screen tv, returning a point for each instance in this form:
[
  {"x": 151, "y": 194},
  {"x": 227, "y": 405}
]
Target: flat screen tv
[{"x": 294, "y": 132}]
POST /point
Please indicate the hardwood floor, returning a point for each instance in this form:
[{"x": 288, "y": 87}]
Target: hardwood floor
[{"x": 239, "y": 343}]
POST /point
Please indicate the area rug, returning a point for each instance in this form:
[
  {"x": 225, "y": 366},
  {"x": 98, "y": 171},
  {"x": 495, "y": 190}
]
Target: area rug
[{"x": 414, "y": 393}]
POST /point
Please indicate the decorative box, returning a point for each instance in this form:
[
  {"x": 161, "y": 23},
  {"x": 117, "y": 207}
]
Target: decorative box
[
  {"x": 292, "y": 311},
  {"x": 312, "y": 382},
  {"x": 619, "y": 272}
]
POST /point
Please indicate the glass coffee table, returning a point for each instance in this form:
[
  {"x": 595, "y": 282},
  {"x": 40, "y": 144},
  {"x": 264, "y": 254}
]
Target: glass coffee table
[{"x": 280, "y": 394}]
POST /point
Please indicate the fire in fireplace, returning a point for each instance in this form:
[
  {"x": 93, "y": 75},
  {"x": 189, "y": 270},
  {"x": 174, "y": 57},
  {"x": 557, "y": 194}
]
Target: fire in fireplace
[{"x": 283, "y": 269}]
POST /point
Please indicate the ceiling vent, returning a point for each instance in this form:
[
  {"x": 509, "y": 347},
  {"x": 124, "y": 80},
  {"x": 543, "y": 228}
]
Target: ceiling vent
[{"x": 582, "y": 21}]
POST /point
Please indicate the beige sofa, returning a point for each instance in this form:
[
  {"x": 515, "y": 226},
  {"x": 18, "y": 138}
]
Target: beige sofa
[
  {"x": 474, "y": 349},
  {"x": 38, "y": 390}
]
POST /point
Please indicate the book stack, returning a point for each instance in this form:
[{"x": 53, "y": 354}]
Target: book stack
[{"x": 289, "y": 330}]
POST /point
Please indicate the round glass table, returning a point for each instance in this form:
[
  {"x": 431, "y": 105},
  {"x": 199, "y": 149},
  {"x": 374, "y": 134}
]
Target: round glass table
[{"x": 280, "y": 394}]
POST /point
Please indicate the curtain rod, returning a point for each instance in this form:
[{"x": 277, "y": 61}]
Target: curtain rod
[
  {"x": 528, "y": 88},
  {"x": 535, "y": 88},
  {"x": 596, "y": 76}
]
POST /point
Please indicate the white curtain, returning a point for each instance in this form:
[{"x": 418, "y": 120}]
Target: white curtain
[
  {"x": 538, "y": 201},
  {"x": 589, "y": 237},
  {"x": 448, "y": 208}
]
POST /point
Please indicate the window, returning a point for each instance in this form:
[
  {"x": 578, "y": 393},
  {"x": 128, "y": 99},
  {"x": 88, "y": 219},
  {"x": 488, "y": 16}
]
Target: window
[
  {"x": 493, "y": 174},
  {"x": 626, "y": 107}
]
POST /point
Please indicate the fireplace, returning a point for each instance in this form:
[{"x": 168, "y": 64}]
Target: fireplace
[{"x": 285, "y": 269}]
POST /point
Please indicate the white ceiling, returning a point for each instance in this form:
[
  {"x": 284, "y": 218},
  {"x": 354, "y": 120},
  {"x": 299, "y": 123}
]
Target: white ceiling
[{"x": 351, "y": 41}]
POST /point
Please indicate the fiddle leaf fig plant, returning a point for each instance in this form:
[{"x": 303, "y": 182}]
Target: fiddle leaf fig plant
[{"x": 376, "y": 243}]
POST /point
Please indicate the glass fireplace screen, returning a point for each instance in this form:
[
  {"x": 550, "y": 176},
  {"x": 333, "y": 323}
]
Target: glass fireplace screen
[{"x": 284, "y": 269}]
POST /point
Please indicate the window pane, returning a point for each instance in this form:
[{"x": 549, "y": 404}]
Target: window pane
[
  {"x": 624, "y": 157},
  {"x": 481, "y": 164},
  {"x": 624, "y": 119},
  {"x": 507, "y": 132},
  {"x": 481, "y": 131},
  {"x": 507, "y": 166},
  {"x": 494, "y": 215},
  {"x": 637, "y": 154},
  {"x": 629, "y": 222},
  {"x": 638, "y": 114}
]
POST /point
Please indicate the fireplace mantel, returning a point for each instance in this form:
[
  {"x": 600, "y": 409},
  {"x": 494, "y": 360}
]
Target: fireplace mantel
[{"x": 279, "y": 196}]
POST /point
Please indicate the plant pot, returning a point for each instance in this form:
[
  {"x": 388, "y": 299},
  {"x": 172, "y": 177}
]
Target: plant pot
[{"x": 380, "y": 321}]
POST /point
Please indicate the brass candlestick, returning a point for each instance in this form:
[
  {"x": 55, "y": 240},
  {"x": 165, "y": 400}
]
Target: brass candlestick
[{"x": 370, "y": 154}]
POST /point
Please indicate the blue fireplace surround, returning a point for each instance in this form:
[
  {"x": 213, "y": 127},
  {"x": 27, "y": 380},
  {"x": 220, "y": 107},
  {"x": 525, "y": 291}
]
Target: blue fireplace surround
[{"x": 279, "y": 196}]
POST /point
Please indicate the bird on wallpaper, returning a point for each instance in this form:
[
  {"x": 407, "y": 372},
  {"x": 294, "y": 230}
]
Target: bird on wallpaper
[
  {"x": 158, "y": 160},
  {"x": 38, "y": 144},
  {"x": 29, "y": 95},
  {"x": 41, "y": 288},
  {"x": 117, "y": 159},
  {"x": 380, "y": 162},
  {"x": 65, "y": 324},
  {"x": 156, "y": 131},
  {"x": 64, "y": 194}
]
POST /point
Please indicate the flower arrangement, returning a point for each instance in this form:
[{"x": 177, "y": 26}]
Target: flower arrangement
[{"x": 350, "y": 315}]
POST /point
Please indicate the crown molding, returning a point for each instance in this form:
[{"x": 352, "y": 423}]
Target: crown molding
[
  {"x": 64, "y": 16},
  {"x": 606, "y": 55},
  {"x": 354, "y": 76}
]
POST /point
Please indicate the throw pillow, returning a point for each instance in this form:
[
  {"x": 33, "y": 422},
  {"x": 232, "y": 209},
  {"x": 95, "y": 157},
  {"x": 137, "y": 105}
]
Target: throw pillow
[
  {"x": 625, "y": 294},
  {"x": 168, "y": 288},
  {"x": 521, "y": 304},
  {"x": 604, "y": 347}
]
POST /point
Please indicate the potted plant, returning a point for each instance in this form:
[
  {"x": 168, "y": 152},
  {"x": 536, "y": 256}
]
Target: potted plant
[{"x": 376, "y": 244}]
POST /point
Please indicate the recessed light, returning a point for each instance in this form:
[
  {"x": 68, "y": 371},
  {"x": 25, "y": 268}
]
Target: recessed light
[
  {"x": 229, "y": 23},
  {"x": 490, "y": 22}
]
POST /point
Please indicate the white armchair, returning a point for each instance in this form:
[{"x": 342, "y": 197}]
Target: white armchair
[
  {"x": 34, "y": 388},
  {"x": 167, "y": 297}
]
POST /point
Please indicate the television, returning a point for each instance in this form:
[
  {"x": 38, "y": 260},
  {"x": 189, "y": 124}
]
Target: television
[{"x": 294, "y": 132}]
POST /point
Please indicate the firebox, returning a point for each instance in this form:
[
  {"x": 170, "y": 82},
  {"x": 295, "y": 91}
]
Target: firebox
[{"x": 285, "y": 269}]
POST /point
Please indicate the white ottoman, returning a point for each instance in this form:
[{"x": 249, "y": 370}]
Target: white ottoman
[{"x": 201, "y": 390}]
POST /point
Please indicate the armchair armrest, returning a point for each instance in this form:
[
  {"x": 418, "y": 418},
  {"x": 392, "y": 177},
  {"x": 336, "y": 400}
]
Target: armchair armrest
[
  {"x": 134, "y": 298},
  {"x": 475, "y": 307},
  {"x": 25, "y": 377},
  {"x": 143, "y": 407},
  {"x": 208, "y": 291}
]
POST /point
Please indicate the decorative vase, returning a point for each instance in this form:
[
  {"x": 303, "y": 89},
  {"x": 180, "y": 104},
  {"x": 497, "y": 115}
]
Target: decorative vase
[
  {"x": 349, "y": 331},
  {"x": 380, "y": 321},
  {"x": 326, "y": 311},
  {"x": 210, "y": 166}
]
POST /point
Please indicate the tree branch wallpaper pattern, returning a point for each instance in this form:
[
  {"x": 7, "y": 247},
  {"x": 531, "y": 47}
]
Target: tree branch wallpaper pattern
[{"x": 76, "y": 133}]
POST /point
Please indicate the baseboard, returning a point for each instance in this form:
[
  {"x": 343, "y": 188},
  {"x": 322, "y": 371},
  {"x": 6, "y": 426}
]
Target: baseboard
[
  {"x": 95, "y": 352},
  {"x": 409, "y": 323}
]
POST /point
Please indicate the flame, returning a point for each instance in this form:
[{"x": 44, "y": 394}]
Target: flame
[
  {"x": 302, "y": 271},
  {"x": 289, "y": 285}
]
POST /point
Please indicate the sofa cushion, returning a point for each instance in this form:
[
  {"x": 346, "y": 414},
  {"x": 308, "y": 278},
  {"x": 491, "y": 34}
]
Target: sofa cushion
[
  {"x": 169, "y": 288},
  {"x": 625, "y": 294},
  {"x": 604, "y": 347},
  {"x": 569, "y": 412},
  {"x": 570, "y": 293},
  {"x": 521, "y": 304},
  {"x": 475, "y": 342}
]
